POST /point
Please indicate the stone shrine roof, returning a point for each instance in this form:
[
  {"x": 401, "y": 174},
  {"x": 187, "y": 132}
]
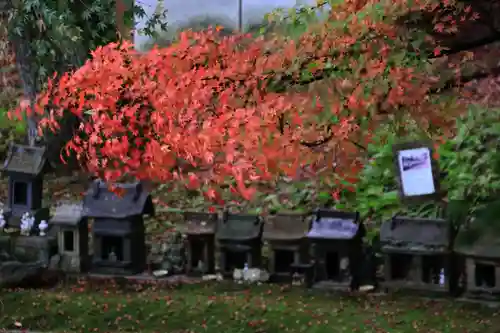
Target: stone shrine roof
[
  {"x": 239, "y": 227},
  {"x": 68, "y": 214},
  {"x": 198, "y": 223},
  {"x": 286, "y": 227},
  {"x": 331, "y": 224},
  {"x": 101, "y": 202},
  {"x": 485, "y": 247},
  {"x": 415, "y": 233},
  {"x": 30, "y": 160},
  {"x": 478, "y": 241}
]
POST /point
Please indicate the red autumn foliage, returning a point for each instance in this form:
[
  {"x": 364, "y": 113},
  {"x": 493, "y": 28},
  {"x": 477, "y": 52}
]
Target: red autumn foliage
[{"x": 211, "y": 109}]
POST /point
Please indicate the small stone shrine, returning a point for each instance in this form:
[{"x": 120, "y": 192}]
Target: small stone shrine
[
  {"x": 118, "y": 227},
  {"x": 286, "y": 234},
  {"x": 199, "y": 229},
  {"x": 173, "y": 256},
  {"x": 336, "y": 249},
  {"x": 417, "y": 254},
  {"x": 480, "y": 264},
  {"x": 240, "y": 243},
  {"x": 25, "y": 167},
  {"x": 72, "y": 237}
]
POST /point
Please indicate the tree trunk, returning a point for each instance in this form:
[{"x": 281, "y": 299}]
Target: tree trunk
[{"x": 27, "y": 73}]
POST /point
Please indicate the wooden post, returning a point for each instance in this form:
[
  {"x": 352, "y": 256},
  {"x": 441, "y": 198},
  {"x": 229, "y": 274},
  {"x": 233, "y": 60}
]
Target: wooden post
[
  {"x": 206, "y": 256},
  {"x": 240, "y": 15},
  {"x": 272, "y": 260}
]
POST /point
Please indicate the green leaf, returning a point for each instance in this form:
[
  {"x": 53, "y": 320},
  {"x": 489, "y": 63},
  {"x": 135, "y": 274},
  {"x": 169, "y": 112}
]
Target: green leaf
[
  {"x": 20, "y": 128},
  {"x": 324, "y": 196},
  {"x": 390, "y": 196}
]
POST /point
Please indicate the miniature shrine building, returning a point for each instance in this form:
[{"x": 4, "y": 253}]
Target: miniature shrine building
[
  {"x": 199, "y": 229},
  {"x": 119, "y": 245},
  {"x": 25, "y": 167},
  {"x": 336, "y": 249},
  {"x": 286, "y": 234},
  {"x": 480, "y": 259},
  {"x": 72, "y": 237},
  {"x": 240, "y": 243},
  {"x": 417, "y": 254}
]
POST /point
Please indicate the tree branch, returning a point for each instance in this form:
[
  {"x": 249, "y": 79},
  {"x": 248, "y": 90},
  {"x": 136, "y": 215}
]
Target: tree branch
[{"x": 316, "y": 143}]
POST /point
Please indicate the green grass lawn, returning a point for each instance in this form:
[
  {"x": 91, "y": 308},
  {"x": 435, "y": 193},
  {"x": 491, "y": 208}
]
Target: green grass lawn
[{"x": 219, "y": 309}]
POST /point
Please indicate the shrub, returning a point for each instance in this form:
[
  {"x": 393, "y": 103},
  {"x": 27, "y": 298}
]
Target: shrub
[{"x": 470, "y": 178}]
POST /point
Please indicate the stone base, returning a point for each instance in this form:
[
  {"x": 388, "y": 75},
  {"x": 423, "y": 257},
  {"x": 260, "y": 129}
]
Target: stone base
[
  {"x": 130, "y": 281},
  {"x": 493, "y": 296},
  {"x": 416, "y": 288},
  {"x": 281, "y": 277},
  {"x": 34, "y": 248},
  {"x": 73, "y": 264},
  {"x": 489, "y": 303},
  {"x": 115, "y": 268},
  {"x": 5, "y": 243},
  {"x": 332, "y": 286}
]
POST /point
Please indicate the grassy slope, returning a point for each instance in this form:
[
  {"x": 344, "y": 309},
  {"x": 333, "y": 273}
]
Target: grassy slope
[{"x": 215, "y": 309}]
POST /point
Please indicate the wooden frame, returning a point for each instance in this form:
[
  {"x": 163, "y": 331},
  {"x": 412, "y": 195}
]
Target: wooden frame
[
  {"x": 349, "y": 248},
  {"x": 208, "y": 244},
  {"x": 26, "y": 194},
  {"x": 62, "y": 241},
  {"x": 415, "y": 199},
  {"x": 296, "y": 250},
  {"x": 428, "y": 241},
  {"x": 471, "y": 289},
  {"x": 239, "y": 233},
  {"x": 415, "y": 281},
  {"x": 252, "y": 258},
  {"x": 199, "y": 228},
  {"x": 287, "y": 231}
]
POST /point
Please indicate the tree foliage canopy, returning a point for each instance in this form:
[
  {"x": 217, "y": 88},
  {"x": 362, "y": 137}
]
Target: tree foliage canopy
[{"x": 212, "y": 110}]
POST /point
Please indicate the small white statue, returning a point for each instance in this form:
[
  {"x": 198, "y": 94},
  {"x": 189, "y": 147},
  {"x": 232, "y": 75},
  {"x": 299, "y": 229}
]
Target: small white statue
[
  {"x": 250, "y": 275},
  {"x": 442, "y": 277},
  {"x": 238, "y": 275},
  {"x": 245, "y": 272},
  {"x": 160, "y": 273},
  {"x": 27, "y": 222},
  {"x": 209, "y": 277},
  {"x": 42, "y": 227},
  {"x": 297, "y": 279},
  {"x": 201, "y": 267},
  {"x": 256, "y": 275},
  {"x": 112, "y": 256},
  {"x": 2, "y": 220},
  {"x": 25, "y": 229}
]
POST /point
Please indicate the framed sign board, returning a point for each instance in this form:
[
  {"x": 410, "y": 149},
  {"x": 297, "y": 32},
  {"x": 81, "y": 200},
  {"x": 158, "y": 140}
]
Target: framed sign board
[{"x": 417, "y": 172}]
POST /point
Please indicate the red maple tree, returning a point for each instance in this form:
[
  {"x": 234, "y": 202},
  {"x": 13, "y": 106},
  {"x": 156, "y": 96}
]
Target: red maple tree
[{"x": 209, "y": 110}]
